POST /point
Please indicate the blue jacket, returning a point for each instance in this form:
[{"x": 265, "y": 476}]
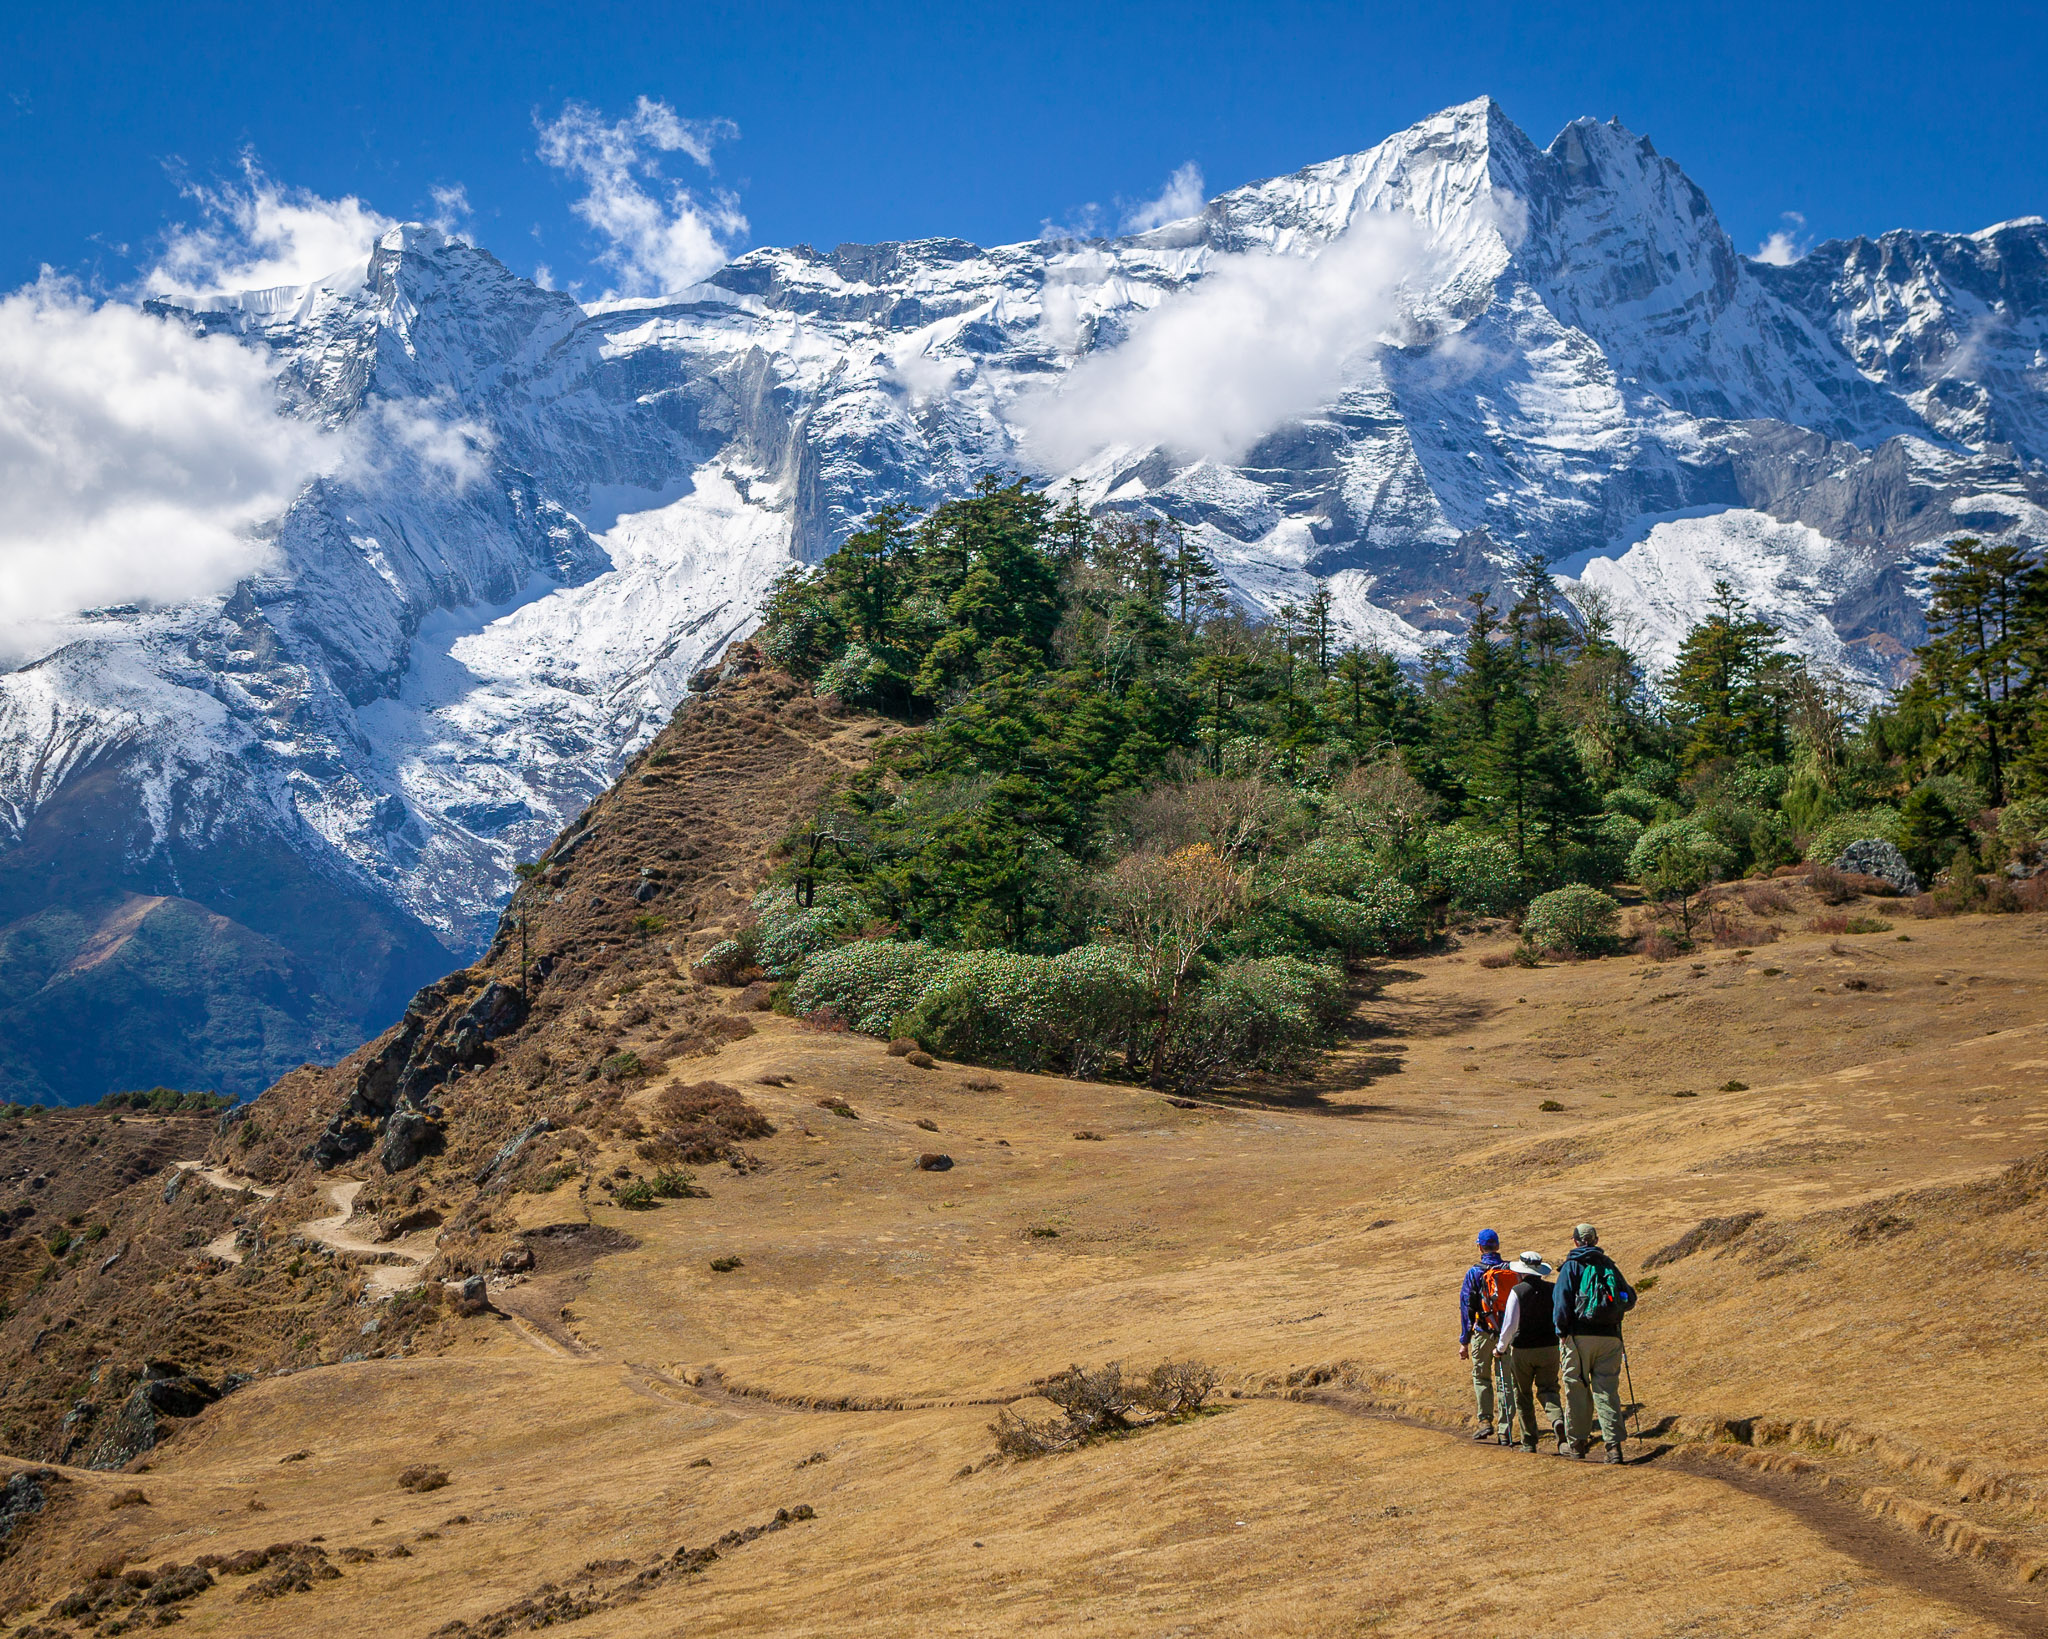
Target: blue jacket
[
  {"x": 1468, "y": 1292},
  {"x": 1568, "y": 1324}
]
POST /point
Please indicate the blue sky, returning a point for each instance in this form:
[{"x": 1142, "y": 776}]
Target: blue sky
[{"x": 880, "y": 122}]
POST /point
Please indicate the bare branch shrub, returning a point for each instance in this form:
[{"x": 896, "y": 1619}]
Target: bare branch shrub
[{"x": 1098, "y": 1403}]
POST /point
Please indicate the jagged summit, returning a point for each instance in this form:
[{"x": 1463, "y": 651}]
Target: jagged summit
[{"x": 555, "y": 511}]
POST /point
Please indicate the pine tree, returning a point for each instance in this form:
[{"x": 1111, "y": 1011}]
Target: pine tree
[
  {"x": 1729, "y": 687},
  {"x": 1195, "y": 587},
  {"x": 1980, "y": 659}
]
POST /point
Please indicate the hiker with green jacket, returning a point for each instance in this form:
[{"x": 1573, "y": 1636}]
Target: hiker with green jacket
[{"x": 1587, "y": 1311}]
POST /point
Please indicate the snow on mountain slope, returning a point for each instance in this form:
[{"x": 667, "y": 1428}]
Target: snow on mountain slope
[{"x": 553, "y": 512}]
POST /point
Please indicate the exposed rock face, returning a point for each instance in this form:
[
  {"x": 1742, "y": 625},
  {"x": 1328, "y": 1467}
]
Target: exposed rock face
[
  {"x": 393, "y": 1089},
  {"x": 165, "y": 1390},
  {"x": 26, "y": 1494},
  {"x": 1875, "y": 857}
]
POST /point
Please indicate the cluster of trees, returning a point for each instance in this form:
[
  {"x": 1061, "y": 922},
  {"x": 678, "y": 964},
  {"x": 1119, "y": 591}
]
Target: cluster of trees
[{"x": 1101, "y": 749}]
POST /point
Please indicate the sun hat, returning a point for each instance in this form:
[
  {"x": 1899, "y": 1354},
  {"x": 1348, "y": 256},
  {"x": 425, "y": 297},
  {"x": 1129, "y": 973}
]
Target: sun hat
[
  {"x": 1531, "y": 1263},
  {"x": 1585, "y": 1234},
  {"x": 1489, "y": 1237}
]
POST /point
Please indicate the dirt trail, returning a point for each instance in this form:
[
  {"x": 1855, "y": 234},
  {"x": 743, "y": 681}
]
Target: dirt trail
[
  {"x": 398, "y": 1262},
  {"x": 223, "y": 1247},
  {"x": 1825, "y": 1507}
]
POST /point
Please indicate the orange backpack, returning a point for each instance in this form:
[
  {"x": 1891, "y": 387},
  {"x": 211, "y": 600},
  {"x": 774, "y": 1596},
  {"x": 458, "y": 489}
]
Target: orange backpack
[{"x": 1490, "y": 1300}]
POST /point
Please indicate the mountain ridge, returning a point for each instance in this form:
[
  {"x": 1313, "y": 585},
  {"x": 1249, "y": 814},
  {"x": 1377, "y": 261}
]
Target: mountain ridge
[{"x": 556, "y": 511}]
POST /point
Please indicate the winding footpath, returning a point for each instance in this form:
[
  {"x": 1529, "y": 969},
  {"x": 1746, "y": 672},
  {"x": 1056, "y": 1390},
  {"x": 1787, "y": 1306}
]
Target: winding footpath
[{"x": 393, "y": 1266}]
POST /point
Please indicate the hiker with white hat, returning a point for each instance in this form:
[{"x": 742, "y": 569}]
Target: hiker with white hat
[
  {"x": 1591, "y": 1300},
  {"x": 1528, "y": 1342},
  {"x": 1481, "y": 1300}
]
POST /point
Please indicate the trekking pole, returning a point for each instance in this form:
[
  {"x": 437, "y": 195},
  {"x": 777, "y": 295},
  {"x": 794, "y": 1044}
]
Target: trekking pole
[{"x": 1634, "y": 1403}]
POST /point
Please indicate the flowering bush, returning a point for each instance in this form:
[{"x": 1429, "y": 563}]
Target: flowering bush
[
  {"x": 787, "y": 932},
  {"x": 1273, "y": 1013},
  {"x": 870, "y": 981},
  {"x": 1067, "y": 1013}
]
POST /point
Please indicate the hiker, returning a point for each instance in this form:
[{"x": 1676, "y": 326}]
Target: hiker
[
  {"x": 1481, "y": 1301},
  {"x": 1528, "y": 1343},
  {"x": 1587, "y": 1311}
]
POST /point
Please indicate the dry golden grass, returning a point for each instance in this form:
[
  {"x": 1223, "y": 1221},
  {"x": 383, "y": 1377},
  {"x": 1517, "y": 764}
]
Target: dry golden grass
[{"x": 1843, "y": 1403}]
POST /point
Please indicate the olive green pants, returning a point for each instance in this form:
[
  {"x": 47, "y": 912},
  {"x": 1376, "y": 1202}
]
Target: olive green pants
[
  {"x": 1534, "y": 1375},
  {"x": 1592, "y": 1382},
  {"x": 1491, "y": 1386}
]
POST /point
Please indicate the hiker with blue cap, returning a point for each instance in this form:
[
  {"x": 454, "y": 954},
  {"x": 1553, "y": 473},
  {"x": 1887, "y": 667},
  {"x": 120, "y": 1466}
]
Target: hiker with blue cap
[{"x": 1481, "y": 1303}]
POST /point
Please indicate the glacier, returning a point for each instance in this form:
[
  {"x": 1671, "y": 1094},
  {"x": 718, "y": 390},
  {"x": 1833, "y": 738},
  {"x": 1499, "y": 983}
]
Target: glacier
[{"x": 565, "y": 508}]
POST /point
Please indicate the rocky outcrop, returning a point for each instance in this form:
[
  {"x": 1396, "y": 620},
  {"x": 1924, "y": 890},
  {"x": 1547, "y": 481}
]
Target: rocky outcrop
[
  {"x": 93, "y": 1438},
  {"x": 25, "y": 1495},
  {"x": 1873, "y": 856},
  {"x": 439, "y": 1036}
]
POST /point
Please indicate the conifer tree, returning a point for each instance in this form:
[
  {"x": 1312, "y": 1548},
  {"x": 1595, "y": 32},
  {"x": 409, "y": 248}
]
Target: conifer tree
[
  {"x": 1981, "y": 659},
  {"x": 1729, "y": 686}
]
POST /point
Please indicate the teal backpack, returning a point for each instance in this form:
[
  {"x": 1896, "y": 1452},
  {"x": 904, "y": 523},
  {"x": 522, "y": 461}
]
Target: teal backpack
[{"x": 1598, "y": 1296}]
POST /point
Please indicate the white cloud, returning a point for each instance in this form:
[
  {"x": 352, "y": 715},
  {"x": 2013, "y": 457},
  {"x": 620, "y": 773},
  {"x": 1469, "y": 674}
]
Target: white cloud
[
  {"x": 1178, "y": 200},
  {"x": 137, "y": 459},
  {"x": 451, "y": 210},
  {"x": 452, "y": 448},
  {"x": 1217, "y": 366},
  {"x": 1788, "y": 244},
  {"x": 661, "y": 235},
  {"x": 260, "y": 234}
]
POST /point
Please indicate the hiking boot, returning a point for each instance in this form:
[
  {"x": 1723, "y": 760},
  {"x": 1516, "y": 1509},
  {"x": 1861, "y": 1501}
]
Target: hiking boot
[
  {"x": 1614, "y": 1455},
  {"x": 1529, "y": 1446},
  {"x": 1579, "y": 1448},
  {"x": 1484, "y": 1435}
]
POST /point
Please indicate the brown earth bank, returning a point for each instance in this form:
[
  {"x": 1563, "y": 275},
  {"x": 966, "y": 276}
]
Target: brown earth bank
[{"x": 761, "y": 1402}]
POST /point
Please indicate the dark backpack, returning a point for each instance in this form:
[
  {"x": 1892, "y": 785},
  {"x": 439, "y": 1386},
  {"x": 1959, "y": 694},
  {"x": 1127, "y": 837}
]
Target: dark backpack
[{"x": 1598, "y": 1296}]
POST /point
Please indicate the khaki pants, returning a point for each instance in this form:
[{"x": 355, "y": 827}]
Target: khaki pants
[
  {"x": 1534, "y": 1375},
  {"x": 1491, "y": 1385},
  {"x": 1592, "y": 1382}
]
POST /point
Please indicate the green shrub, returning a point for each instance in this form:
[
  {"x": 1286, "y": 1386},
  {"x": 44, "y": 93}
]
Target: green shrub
[
  {"x": 635, "y": 1195},
  {"x": 787, "y": 933},
  {"x": 1753, "y": 834},
  {"x": 869, "y": 982},
  {"x": 165, "y": 1101},
  {"x": 1643, "y": 807},
  {"x": 723, "y": 963},
  {"x": 622, "y": 1067},
  {"x": 1273, "y": 1013},
  {"x": 1342, "y": 897},
  {"x": 1934, "y": 821},
  {"x": 1577, "y": 919},
  {"x": 1472, "y": 872},
  {"x": 1678, "y": 858},
  {"x": 1067, "y": 1013},
  {"x": 1604, "y": 856},
  {"x": 1825, "y": 846},
  {"x": 862, "y": 677},
  {"x": 672, "y": 1184}
]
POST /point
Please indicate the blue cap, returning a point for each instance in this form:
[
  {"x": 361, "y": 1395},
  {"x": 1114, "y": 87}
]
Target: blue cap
[{"x": 1488, "y": 1237}]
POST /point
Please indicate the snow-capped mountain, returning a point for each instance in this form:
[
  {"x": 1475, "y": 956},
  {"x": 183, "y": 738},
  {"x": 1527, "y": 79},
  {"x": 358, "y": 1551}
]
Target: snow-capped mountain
[{"x": 558, "y": 511}]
